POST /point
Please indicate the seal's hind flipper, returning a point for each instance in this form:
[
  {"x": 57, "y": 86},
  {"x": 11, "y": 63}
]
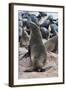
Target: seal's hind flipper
[
  {"x": 46, "y": 68},
  {"x": 29, "y": 70}
]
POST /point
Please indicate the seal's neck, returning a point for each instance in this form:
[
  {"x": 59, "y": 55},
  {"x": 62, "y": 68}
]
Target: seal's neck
[{"x": 35, "y": 33}]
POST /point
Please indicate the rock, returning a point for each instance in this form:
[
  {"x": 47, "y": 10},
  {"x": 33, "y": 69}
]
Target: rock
[{"x": 25, "y": 63}]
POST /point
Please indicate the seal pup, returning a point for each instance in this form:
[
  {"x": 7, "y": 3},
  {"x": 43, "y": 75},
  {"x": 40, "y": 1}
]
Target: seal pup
[
  {"x": 24, "y": 39},
  {"x": 51, "y": 45},
  {"x": 44, "y": 32},
  {"x": 37, "y": 49},
  {"x": 41, "y": 14},
  {"x": 20, "y": 33},
  {"x": 54, "y": 29}
]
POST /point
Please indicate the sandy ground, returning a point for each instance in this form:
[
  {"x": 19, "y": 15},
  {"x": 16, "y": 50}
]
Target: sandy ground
[{"x": 25, "y": 63}]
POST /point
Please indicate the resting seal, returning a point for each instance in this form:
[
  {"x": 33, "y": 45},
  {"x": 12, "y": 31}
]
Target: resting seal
[{"x": 52, "y": 44}]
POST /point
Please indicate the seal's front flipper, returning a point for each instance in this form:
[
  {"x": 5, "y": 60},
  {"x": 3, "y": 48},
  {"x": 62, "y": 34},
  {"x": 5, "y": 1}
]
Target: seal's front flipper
[{"x": 25, "y": 55}]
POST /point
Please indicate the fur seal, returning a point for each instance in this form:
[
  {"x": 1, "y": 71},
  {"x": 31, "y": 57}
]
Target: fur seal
[
  {"x": 51, "y": 44},
  {"x": 45, "y": 24},
  {"x": 41, "y": 14},
  {"x": 24, "y": 39},
  {"x": 44, "y": 32},
  {"x": 38, "y": 52},
  {"x": 54, "y": 28},
  {"x": 20, "y": 33}
]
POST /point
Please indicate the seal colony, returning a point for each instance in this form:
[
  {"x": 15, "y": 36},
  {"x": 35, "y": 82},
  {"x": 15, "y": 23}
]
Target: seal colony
[{"x": 37, "y": 50}]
